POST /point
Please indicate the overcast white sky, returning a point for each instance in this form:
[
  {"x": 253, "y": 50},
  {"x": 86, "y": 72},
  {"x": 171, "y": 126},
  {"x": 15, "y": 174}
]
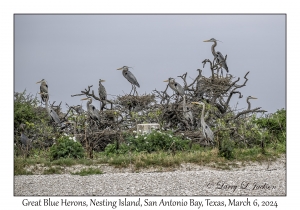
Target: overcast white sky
[{"x": 74, "y": 51}]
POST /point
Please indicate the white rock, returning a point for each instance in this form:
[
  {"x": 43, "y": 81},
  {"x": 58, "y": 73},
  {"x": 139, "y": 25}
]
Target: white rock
[{"x": 147, "y": 128}]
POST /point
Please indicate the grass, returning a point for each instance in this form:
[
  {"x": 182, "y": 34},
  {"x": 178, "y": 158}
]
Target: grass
[
  {"x": 199, "y": 156},
  {"x": 88, "y": 171}
]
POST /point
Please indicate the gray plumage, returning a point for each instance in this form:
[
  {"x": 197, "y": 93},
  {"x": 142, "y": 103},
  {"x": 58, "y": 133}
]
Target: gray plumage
[
  {"x": 102, "y": 91},
  {"x": 44, "y": 90},
  {"x": 188, "y": 115},
  {"x": 221, "y": 60},
  {"x": 129, "y": 76},
  {"x": 92, "y": 111},
  {"x": 217, "y": 55},
  {"x": 53, "y": 115},
  {"x": 79, "y": 109},
  {"x": 207, "y": 132},
  {"x": 24, "y": 139},
  {"x": 248, "y": 98},
  {"x": 175, "y": 86}
]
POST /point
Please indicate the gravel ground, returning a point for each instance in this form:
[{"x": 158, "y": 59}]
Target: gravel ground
[{"x": 266, "y": 179}]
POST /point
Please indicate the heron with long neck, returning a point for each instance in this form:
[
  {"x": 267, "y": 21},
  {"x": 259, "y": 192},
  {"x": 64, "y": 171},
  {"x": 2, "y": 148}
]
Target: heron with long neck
[
  {"x": 92, "y": 111},
  {"x": 248, "y": 98},
  {"x": 130, "y": 77},
  {"x": 218, "y": 55},
  {"x": 213, "y": 46},
  {"x": 207, "y": 132}
]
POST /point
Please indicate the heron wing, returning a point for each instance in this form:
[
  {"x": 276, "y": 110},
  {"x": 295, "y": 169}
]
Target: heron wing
[
  {"x": 220, "y": 59},
  {"x": 179, "y": 88},
  {"x": 102, "y": 92},
  {"x": 44, "y": 88},
  {"x": 131, "y": 78},
  {"x": 54, "y": 116},
  {"x": 208, "y": 132},
  {"x": 94, "y": 112}
]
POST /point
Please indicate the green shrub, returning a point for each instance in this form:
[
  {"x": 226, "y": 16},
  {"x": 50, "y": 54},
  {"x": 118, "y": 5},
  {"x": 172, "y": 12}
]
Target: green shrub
[
  {"x": 25, "y": 108},
  {"x": 275, "y": 124},
  {"x": 226, "y": 148},
  {"x": 154, "y": 141},
  {"x": 66, "y": 147}
]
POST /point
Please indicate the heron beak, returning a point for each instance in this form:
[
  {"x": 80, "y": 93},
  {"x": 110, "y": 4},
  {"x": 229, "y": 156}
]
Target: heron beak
[
  {"x": 84, "y": 99},
  {"x": 253, "y": 97},
  {"x": 166, "y": 80},
  {"x": 101, "y": 80},
  {"x": 120, "y": 68},
  {"x": 39, "y": 82},
  {"x": 206, "y": 41}
]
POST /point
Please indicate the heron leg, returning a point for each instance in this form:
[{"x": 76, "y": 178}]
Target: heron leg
[
  {"x": 135, "y": 91},
  {"x": 132, "y": 87}
]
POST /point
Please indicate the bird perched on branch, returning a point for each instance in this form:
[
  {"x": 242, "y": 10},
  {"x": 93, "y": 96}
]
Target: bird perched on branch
[
  {"x": 53, "y": 115},
  {"x": 207, "y": 132},
  {"x": 44, "y": 90},
  {"x": 92, "y": 111},
  {"x": 102, "y": 90},
  {"x": 102, "y": 93},
  {"x": 175, "y": 86},
  {"x": 130, "y": 77},
  {"x": 218, "y": 55}
]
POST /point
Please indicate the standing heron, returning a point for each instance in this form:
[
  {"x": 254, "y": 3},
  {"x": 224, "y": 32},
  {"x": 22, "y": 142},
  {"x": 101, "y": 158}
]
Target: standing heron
[
  {"x": 53, "y": 115},
  {"x": 207, "y": 132},
  {"x": 248, "y": 98},
  {"x": 92, "y": 111},
  {"x": 130, "y": 77},
  {"x": 218, "y": 55},
  {"x": 188, "y": 115},
  {"x": 44, "y": 90},
  {"x": 175, "y": 86},
  {"x": 24, "y": 139},
  {"x": 102, "y": 93}
]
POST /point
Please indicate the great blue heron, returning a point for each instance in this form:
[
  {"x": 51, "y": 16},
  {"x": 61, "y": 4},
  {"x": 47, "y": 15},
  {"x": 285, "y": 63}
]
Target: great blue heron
[
  {"x": 102, "y": 93},
  {"x": 44, "y": 90},
  {"x": 207, "y": 132},
  {"x": 53, "y": 115},
  {"x": 92, "y": 111},
  {"x": 248, "y": 98},
  {"x": 79, "y": 109},
  {"x": 188, "y": 115},
  {"x": 102, "y": 90},
  {"x": 130, "y": 77},
  {"x": 175, "y": 86},
  {"x": 218, "y": 55},
  {"x": 24, "y": 139}
]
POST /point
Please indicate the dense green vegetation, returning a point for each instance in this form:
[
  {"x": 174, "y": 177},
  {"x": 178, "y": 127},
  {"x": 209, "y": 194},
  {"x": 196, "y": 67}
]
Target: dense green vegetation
[{"x": 264, "y": 138}]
